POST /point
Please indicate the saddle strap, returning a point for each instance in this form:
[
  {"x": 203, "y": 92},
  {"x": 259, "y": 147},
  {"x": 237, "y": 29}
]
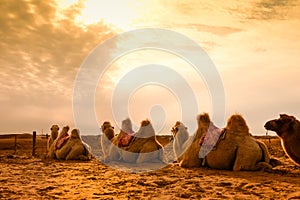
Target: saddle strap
[{"x": 222, "y": 137}]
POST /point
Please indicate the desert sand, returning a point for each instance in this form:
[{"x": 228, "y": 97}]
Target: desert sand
[{"x": 23, "y": 176}]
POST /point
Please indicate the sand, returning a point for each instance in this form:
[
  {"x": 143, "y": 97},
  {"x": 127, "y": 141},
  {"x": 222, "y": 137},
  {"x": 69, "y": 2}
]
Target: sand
[{"x": 23, "y": 176}]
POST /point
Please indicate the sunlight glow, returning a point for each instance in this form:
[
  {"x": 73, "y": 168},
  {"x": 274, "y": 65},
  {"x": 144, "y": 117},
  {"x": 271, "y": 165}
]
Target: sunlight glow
[{"x": 117, "y": 12}]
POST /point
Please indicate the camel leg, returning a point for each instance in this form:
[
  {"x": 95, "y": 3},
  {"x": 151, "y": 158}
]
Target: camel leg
[
  {"x": 63, "y": 152},
  {"x": 149, "y": 154},
  {"x": 51, "y": 152},
  {"x": 241, "y": 160},
  {"x": 266, "y": 155},
  {"x": 129, "y": 157},
  {"x": 76, "y": 153},
  {"x": 246, "y": 160},
  {"x": 113, "y": 155}
]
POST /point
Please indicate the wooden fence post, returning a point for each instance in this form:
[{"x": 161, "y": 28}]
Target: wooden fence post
[
  {"x": 33, "y": 142},
  {"x": 15, "y": 143}
]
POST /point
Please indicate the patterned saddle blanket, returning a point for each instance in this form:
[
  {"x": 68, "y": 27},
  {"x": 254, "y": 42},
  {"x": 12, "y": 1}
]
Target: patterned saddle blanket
[
  {"x": 60, "y": 143},
  {"x": 209, "y": 140},
  {"x": 126, "y": 139}
]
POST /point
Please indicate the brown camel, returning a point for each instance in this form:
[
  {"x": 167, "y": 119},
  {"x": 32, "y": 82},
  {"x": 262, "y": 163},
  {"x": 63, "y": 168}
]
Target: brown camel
[
  {"x": 288, "y": 129},
  {"x": 237, "y": 150},
  {"x": 58, "y": 142},
  {"x": 143, "y": 147},
  {"x": 74, "y": 148},
  {"x": 53, "y": 135},
  {"x": 69, "y": 147}
]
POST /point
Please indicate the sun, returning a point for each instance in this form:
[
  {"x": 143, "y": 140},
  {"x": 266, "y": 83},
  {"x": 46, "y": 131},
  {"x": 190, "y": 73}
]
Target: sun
[{"x": 120, "y": 13}]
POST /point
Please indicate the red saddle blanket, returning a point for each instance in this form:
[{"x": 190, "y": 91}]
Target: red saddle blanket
[
  {"x": 61, "y": 142},
  {"x": 126, "y": 139}
]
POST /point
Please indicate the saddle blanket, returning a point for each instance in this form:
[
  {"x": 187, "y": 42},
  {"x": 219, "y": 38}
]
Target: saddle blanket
[
  {"x": 126, "y": 139},
  {"x": 61, "y": 142},
  {"x": 209, "y": 140}
]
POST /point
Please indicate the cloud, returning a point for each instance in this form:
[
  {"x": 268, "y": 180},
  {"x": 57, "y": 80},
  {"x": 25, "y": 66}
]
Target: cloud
[
  {"x": 266, "y": 10},
  {"x": 216, "y": 30},
  {"x": 41, "y": 52}
]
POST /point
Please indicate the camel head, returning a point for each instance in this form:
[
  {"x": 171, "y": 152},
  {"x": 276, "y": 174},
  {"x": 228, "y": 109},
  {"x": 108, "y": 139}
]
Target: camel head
[
  {"x": 75, "y": 134},
  {"x": 108, "y": 130},
  {"x": 146, "y": 130},
  {"x": 54, "y": 131},
  {"x": 284, "y": 125},
  {"x": 174, "y": 129},
  {"x": 236, "y": 123},
  {"x": 64, "y": 132},
  {"x": 106, "y": 125},
  {"x": 127, "y": 126}
]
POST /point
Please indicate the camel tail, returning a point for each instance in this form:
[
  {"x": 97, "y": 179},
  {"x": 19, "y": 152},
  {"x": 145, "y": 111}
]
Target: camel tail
[{"x": 266, "y": 155}]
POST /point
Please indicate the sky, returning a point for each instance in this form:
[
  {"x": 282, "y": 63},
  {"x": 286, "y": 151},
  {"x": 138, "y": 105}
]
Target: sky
[{"x": 254, "y": 46}]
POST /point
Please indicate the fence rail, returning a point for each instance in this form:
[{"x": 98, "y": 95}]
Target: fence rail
[{"x": 17, "y": 139}]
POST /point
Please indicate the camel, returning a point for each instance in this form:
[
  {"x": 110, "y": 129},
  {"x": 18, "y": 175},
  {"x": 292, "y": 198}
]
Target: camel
[
  {"x": 238, "y": 150},
  {"x": 74, "y": 148},
  {"x": 53, "y": 135},
  {"x": 63, "y": 135},
  {"x": 106, "y": 139},
  {"x": 288, "y": 129},
  {"x": 68, "y": 147},
  {"x": 181, "y": 136},
  {"x": 143, "y": 148}
]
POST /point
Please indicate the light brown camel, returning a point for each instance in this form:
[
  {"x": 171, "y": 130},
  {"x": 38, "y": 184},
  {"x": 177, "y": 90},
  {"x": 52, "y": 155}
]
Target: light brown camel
[
  {"x": 53, "y": 135},
  {"x": 144, "y": 146},
  {"x": 58, "y": 142},
  {"x": 115, "y": 150},
  {"x": 108, "y": 135},
  {"x": 74, "y": 148},
  {"x": 288, "y": 129},
  {"x": 181, "y": 137},
  {"x": 238, "y": 150}
]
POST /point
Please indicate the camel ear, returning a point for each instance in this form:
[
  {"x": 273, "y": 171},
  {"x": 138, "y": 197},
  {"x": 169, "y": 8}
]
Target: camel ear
[{"x": 282, "y": 115}]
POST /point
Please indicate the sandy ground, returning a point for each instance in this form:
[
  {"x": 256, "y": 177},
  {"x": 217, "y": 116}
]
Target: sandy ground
[{"x": 23, "y": 176}]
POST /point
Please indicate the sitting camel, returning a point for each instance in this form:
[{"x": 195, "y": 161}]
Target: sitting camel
[
  {"x": 288, "y": 129},
  {"x": 143, "y": 147},
  {"x": 58, "y": 142},
  {"x": 74, "y": 148},
  {"x": 106, "y": 139},
  {"x": 237, "y": 150},
  {"x": 53, "y": 135},
  {"x": 181, "y": 136},
  {"x": 69, "y": 147}
]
